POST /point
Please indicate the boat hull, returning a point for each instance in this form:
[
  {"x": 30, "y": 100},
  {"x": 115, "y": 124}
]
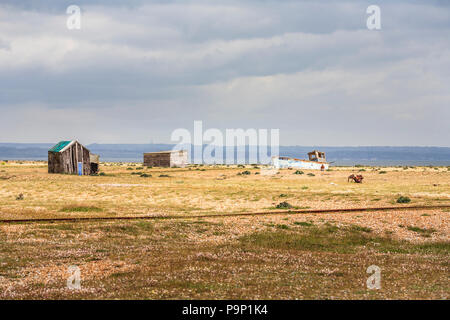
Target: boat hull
[{"x": 299, "y": 164}]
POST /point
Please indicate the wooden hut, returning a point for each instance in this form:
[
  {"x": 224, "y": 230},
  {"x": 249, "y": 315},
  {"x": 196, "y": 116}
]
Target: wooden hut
[
  {"x": 178, "y": 158},
  {"x": 69, "y": 157}
]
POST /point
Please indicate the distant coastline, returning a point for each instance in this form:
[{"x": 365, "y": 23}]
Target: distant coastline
[{"x": 344, "y": 156}]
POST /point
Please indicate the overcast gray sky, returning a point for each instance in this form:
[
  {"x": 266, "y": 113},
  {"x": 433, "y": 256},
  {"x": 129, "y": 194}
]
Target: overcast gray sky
[{"x": 137, "y": 70}]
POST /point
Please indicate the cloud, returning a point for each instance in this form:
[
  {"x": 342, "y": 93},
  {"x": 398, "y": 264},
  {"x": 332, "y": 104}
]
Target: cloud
[{"x": 138, "y": 70}]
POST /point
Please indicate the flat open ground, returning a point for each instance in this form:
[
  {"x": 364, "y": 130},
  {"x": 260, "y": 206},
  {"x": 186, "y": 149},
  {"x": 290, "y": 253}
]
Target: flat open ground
[{"x": 283, "y": 256}]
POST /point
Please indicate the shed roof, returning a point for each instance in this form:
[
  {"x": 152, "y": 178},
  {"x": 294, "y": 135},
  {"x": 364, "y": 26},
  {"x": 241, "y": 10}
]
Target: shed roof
[
  {"x": 63, "y": 145},
  {"x": 170, "y": 151},
  {"x": 60, "y": 146}
]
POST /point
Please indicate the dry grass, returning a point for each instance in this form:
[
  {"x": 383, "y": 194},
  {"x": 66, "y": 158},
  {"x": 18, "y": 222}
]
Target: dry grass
[
  {"x": 214, "y": 190},
  {"x": 315, "y": 256}
]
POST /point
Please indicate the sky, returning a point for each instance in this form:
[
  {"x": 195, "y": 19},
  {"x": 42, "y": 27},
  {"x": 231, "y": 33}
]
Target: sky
[{"x": 137, "y": 70}]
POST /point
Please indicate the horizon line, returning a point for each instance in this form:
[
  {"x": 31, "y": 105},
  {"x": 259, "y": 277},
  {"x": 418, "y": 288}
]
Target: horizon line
[{"x": 312, "y": 145}]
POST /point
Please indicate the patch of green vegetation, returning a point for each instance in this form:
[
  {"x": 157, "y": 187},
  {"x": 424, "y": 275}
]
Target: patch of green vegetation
[
  {"x": 303, "y": 223},
  {"x": 59, "y": 226},
  {"x": 282, "y": 226},
  {"x": 403, "y": 199},
  {"x": 423, "y": 232},
  {"x": 164, "y": 176},
  {"x": 145, "y": 175},
  {"x": 145, "y": 225},
  {"x": 284, "y": 205},
  {"x": 311, "y": 174},
  {"x": 382, "y": 172},
  {"x": 201, "y": 230},
  {"x": 104, "y": 174},
  {"x": 269, "y": 225},
  {"x": 315, "y": 239},
  {"x": 111, "y": 229},
  {"x": 344, "y": 241},
  {"x": 81, "y": 209},
  {"x": 298, "y": 172},
  {"x": 360, "y": 229},
  {"x": 330, "y": 228},
  {"x": 283, "y": 195},
  {"x": 431, "y": 248}
]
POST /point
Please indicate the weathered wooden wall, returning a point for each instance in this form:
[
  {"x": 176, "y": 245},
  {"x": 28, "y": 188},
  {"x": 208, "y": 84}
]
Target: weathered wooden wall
[
  {"x": 166, "y": 159},
  {"x": 157, "y": 159},
  {"x": 54, "y": 162}
]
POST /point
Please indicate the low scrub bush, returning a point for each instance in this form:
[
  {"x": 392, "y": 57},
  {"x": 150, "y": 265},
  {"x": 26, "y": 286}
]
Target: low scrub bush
[
  {"x": 145, "y": 175},
  {"x": 303, "y": 223},
  {"x": 403, "y": 199},
  {"x": 284, "y": 205}
]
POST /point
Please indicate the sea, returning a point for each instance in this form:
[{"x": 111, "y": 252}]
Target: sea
[{"x": 338, "y": 156}]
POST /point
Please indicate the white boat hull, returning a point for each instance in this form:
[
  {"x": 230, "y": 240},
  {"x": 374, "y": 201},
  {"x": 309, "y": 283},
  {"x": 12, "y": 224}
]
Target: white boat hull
[{"x": 299, "y": 164}]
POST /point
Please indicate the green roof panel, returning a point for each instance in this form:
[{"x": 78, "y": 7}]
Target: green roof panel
[{"x": 59, "y": 146}]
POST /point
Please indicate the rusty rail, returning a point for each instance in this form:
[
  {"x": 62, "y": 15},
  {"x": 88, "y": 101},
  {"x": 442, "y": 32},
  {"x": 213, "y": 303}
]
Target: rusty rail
[{"x": 262, "y": 213}]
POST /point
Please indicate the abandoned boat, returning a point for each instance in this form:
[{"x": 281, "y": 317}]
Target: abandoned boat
[{"x": 317, "y": 161}]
